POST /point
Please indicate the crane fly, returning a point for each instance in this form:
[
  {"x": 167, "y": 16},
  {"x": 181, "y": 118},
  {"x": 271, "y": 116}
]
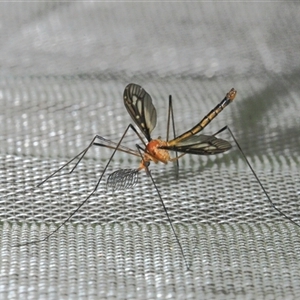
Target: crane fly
[
  {"x": 139, "y": 106},
  {"x": 142, "y": 111}
]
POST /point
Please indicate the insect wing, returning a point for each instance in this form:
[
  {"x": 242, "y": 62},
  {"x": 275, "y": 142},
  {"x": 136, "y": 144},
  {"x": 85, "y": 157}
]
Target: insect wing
[
  {"x": 140, "y": 107},
  {"x": 201, "y": 145}
]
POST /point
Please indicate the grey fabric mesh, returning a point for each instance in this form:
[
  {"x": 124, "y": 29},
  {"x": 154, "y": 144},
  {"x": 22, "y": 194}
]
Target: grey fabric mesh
[{"x": 64, "y": 67}]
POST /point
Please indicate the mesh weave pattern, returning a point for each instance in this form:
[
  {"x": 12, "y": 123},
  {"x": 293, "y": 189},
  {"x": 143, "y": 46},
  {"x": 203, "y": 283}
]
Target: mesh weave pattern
[{"x": 64, "y": 67}]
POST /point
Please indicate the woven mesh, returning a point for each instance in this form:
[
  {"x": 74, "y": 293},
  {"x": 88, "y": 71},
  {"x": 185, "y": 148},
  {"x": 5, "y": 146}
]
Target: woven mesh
[{"x": 64, "y": 67}]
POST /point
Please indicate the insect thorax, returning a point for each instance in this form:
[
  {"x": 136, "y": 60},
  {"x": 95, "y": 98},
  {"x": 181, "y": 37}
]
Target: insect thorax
[{"x": 155, "y": 154}]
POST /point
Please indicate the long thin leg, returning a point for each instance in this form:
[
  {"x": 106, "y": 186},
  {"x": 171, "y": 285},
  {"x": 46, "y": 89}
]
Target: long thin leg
[
  {"x": 164, "y": 207},
  {"x": 171, "y": 117},
  {"x": 81, "y": 154},
  {"x": 112, "y": 145},
  {"x": 221, "y": 130},
  {"x": 256, "y": 177},
  {"x": 105, "y": 143},
  {"x": 93, "y": 191}
]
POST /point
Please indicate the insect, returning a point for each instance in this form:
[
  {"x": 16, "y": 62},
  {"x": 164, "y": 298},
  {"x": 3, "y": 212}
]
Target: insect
[{"x": 142, "y": 111}]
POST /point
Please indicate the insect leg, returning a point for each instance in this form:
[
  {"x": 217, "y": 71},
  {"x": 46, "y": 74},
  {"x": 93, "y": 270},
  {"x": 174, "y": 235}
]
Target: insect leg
[
  {"x": 109, "y": 144},
  {"x": 164, "y": 207},
  {"x": 171, "y": 117},
  {"x": 221, "y": 130},
  {"x": 56, "y": 173},
  {"x": 256, "y": 177},
  {"x": 93, "y": 191},
  {"x": 81, "y": 155}
]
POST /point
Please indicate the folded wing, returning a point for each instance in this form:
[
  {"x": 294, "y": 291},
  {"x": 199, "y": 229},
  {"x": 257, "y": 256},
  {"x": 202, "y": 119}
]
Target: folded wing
[
  {"x": 201, "y": 145},
  {"x": 140, "y": 107}
]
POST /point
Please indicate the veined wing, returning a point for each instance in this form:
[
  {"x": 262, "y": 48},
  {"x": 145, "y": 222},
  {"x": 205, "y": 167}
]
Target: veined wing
[
  {"x": 112, "y": 145},
  {"x": 201, "y": 145},
  {"x": 140, "y": 107}
]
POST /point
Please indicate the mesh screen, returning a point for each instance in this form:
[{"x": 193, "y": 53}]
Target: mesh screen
[{"x": 64, "y": 67}]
